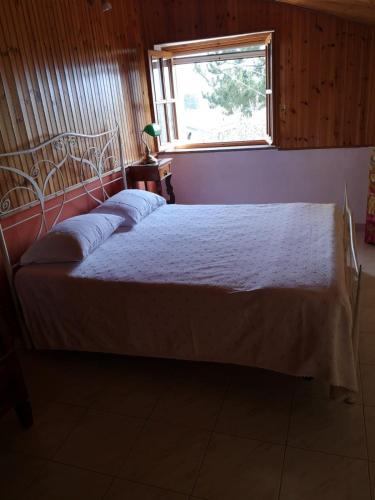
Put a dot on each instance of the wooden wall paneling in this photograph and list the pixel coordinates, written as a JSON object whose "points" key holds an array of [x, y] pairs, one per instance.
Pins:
{"points": [[139, 91], [43, 27], [299, 80], [124, 67], [340, 82], [121, 29], [65, 59], [108, 57], [326, 83], [67, 83], [352, 86], [13, 121], [54, 107], [5, 141], [324, 98], [304, 65], [370, 118], [365, 97], [103, 86], [281, 78], [87, 75], [68, 66]]}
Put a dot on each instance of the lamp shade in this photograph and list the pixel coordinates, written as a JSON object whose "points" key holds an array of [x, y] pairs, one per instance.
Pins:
{"points": [[152, 129]]}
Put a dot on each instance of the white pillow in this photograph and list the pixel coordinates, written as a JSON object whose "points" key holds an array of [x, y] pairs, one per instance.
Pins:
{"points": [[131, 204], [72, 239]]}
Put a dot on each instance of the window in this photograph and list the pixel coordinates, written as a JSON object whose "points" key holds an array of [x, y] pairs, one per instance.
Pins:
{"points": [[215, 92]]}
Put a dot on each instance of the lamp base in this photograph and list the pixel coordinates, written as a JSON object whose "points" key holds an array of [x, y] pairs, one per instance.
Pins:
{"points": [[149, 160]]}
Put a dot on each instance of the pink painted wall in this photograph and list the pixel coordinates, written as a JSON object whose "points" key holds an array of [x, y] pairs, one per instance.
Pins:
{"points": [[271, 176]]}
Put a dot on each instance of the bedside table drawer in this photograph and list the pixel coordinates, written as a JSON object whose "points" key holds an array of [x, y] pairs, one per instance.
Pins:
{"points": [[164, 170], [161, 172]]}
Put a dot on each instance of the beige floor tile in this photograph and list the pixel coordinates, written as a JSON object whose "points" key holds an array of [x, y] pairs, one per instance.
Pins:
{"points": [[370, 430], [316, 389], [368, 281], [124, 375], [138, 374], [368, 384], [372, 478], [367, 349], [53, 381], [367, 299], [328, 426], [123, 489], [239, 468], [167, 455], [132, 387], [78, 390], [367, 320], [312, 389], [367, 260], [17, 472], [133, 403], [61, 482], [206, 372], [52, 425], [311, 475], [44, 362], [255, 415], [100, 442], [192, 401], [264, 381]]}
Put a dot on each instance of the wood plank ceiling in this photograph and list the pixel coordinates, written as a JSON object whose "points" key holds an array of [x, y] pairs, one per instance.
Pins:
{"points": [[359, 10]]}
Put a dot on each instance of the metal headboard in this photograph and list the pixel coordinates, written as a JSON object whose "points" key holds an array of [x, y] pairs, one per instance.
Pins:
{"points": [[50, 171]]}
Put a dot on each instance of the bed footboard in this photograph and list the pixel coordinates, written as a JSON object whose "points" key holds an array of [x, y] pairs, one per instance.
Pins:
{"points": [[353, 281]]}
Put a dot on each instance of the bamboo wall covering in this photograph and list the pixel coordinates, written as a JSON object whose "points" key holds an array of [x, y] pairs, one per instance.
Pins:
{"points": [[324, 65], [67, 66]]}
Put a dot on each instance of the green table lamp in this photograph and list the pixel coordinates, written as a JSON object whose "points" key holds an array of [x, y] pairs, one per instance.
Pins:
{"points": [[153, 130]]}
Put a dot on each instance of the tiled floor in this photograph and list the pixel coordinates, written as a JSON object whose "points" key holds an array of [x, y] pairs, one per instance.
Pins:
{"points": [[114, 428]]}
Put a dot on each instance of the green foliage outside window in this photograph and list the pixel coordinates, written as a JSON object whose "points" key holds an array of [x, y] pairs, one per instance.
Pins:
{"points": [[235, 85]]}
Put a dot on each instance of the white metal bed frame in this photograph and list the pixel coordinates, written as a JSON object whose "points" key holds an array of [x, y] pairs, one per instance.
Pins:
{"points": [[94, 159], [87, 154]]}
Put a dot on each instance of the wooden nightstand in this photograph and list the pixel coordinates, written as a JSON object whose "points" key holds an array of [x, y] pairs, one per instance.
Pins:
{"points": [[13, 392], [154, 173]]}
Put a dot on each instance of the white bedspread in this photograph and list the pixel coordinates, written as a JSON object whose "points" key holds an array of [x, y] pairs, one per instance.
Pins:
{"points": [[257, 285]]}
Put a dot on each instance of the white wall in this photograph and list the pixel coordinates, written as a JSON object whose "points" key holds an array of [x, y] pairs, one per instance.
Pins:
{"points": [[267, 176]]}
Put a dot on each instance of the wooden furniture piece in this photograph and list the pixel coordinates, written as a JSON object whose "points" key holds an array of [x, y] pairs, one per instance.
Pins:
{"points": [[13, 392], [154, 173]]}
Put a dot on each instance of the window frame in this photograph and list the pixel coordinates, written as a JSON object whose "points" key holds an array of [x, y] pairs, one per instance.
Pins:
{"points": [[192, 48], [161, 56]]}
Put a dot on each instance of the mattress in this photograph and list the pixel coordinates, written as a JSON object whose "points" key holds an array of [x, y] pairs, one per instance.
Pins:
{"points": [[255, 285]]}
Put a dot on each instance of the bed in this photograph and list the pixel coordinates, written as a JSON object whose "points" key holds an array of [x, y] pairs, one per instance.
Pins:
{"points": [[272, 286]]}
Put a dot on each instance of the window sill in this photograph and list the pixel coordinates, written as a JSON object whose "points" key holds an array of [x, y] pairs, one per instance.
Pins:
{"points": [[214, 149]]}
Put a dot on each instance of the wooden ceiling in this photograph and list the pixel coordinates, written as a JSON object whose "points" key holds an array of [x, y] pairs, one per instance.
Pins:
{"points": [[359, 10]]}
